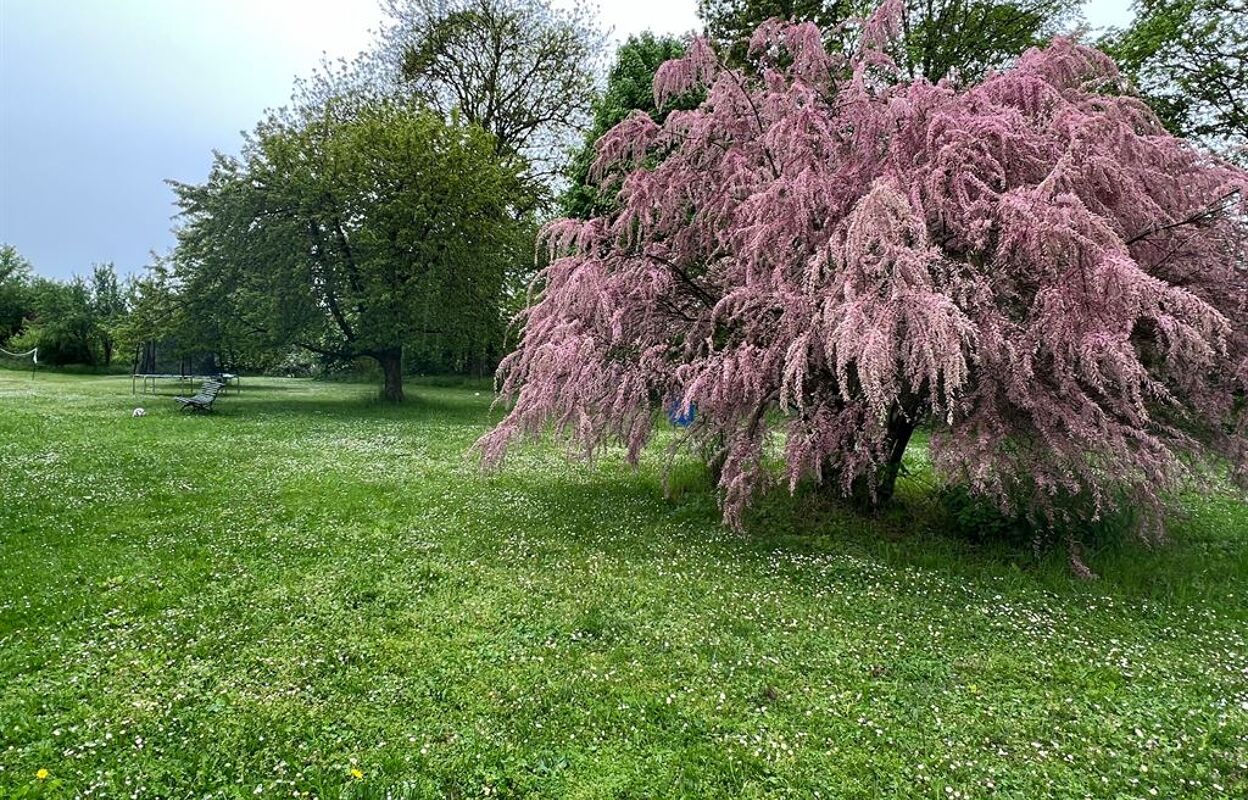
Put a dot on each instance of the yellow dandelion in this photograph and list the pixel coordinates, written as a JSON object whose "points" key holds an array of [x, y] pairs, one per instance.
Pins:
{"points": [[355, 773], [42, 774]]}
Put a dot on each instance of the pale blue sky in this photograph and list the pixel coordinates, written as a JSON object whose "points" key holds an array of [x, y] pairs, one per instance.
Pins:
{"points": [[101, 100]]}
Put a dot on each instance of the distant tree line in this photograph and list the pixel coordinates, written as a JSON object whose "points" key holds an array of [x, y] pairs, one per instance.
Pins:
{"points": [[70, 322]]}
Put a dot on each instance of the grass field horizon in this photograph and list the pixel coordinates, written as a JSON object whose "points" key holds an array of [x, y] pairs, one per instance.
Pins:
{"points": [[311, 593]]}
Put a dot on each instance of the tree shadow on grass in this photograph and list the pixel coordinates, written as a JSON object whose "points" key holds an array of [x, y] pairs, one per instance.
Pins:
{"points": [[354, 405], [1205, 558], [271, 385]]}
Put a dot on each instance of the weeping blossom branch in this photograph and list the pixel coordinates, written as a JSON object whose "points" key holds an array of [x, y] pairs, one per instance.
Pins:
{"points": [[825, 254]]}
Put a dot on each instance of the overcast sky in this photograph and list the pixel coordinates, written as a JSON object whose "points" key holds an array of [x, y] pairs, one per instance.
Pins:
{"points": [[101, 100]]}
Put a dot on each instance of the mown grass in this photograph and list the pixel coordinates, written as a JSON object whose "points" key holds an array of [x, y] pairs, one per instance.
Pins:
{"points": [[311, 593]]}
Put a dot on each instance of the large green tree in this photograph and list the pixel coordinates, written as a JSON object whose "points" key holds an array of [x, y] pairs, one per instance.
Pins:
{"points": [[1189, 60], [629, 87], [353, 231], [941, 38]]}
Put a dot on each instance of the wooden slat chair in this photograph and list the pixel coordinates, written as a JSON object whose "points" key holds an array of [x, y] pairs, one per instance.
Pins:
{"points": [[203, 399]]}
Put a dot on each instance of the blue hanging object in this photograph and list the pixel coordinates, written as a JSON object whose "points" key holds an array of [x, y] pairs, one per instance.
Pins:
{"points": [[678, 419]]}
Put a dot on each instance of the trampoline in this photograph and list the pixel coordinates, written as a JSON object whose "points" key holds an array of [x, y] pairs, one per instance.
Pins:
{"points": [[155, 361]]}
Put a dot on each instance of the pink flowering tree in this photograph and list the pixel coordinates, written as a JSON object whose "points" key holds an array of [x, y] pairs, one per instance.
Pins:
{"points": [[825, 256]]}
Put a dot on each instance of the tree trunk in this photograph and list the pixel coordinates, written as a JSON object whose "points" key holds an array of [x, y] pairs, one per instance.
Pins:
{"points": [[884, 482], [479, 364], [392, 369], [899, 431]]}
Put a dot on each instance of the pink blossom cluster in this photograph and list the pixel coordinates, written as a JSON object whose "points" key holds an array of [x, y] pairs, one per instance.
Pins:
{"points": [[826, 255]]}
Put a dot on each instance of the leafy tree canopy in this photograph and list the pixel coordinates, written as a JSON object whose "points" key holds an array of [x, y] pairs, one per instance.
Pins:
{"points": [[108, 305], [15, 278], [628, 88], [937, 38], [60, 322], [523, 70], [70, 322], [13, 266], [160, 312], [1189, 58]]}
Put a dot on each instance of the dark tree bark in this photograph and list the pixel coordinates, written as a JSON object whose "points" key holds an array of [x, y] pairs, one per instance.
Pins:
{"points": [[900, 429], [391, 361], [480, 365], [874, 492]]}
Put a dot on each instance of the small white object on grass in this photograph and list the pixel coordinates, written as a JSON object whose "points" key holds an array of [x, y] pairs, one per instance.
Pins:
{"points": [[138, 412]]}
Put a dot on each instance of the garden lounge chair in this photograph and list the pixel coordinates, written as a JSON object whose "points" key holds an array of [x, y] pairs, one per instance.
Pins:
{"points": [[203, 399]]}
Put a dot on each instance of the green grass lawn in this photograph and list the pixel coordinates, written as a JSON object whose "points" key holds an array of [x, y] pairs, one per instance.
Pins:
{"points": [[308, 592]]}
